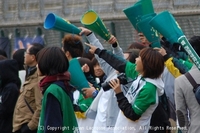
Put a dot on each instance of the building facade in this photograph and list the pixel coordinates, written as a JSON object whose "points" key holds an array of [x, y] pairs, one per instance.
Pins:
{"points": [[26, 16]]}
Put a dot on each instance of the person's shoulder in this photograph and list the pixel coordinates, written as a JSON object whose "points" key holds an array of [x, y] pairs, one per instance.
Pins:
{"points": [[12, 87], [179, 78], [149, 85], [194, 70], [149, 88], [54, 87], [180, 82]]}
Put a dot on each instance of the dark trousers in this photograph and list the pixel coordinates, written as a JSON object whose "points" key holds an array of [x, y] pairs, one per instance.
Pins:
{"points": [[25, 129], [19, 131]]}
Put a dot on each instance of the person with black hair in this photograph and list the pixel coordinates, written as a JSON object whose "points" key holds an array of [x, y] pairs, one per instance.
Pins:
{"points": [[3, 53], [98, 71], [136, 45], [88, 70], [131, 54], [9, 92], [57, 109], [28, 106], [19, 57]]}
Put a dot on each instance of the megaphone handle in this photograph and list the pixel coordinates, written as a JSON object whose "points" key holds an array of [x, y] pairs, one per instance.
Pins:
{"points": [[190, 51], [114, 45]]}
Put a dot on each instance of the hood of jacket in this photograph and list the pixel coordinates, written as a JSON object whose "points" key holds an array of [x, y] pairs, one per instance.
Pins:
{"points": [[158, 83], [9, 72]]}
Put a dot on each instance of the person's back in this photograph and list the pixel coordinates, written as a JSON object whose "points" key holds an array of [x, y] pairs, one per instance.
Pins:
{"points": [[57, 110], [28, 106], [9, 92], [187, 107]]}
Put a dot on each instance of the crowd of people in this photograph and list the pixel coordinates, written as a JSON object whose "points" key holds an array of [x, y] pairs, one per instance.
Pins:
{"points": [[139, 90]]}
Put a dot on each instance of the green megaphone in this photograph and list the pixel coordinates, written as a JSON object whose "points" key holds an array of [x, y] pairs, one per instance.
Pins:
{"points": [[190, 51], [76, 71], [91, 20], [147, 6], [55, 22], [166, 25], [149, 32], [134, 14], [136, 11]]}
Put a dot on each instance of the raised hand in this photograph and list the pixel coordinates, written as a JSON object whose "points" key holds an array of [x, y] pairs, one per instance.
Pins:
{"points": [[84, 31], [85, 68], [115, 84], [92, 48], [88, 91], [112, 40], [162, 51]]}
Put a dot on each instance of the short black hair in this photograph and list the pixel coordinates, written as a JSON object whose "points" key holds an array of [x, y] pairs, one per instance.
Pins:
{"points": [[87, 61], [94, 62], [136, 45], [35, 48], [3, 52], [195, 43], [133, 55], [52, 61], [19, 57]]}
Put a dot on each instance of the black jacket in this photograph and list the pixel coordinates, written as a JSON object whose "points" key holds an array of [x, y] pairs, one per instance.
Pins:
{"points": [[9, 92], [160, 117]]}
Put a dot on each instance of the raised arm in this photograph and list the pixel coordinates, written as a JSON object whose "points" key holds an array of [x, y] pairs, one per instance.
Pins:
{"points": [[175, 67], [118, 63], [93, 40]]}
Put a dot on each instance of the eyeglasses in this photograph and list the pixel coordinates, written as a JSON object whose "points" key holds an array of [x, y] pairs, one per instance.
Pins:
{"points": [[140, 35], [27, 53]]}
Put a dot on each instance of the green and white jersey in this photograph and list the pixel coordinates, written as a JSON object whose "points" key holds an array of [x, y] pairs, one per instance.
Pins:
{"points": [[143, 96]]}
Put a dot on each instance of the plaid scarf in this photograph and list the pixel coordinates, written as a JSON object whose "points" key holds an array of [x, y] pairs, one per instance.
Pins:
{"points": [[46, 81]]}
